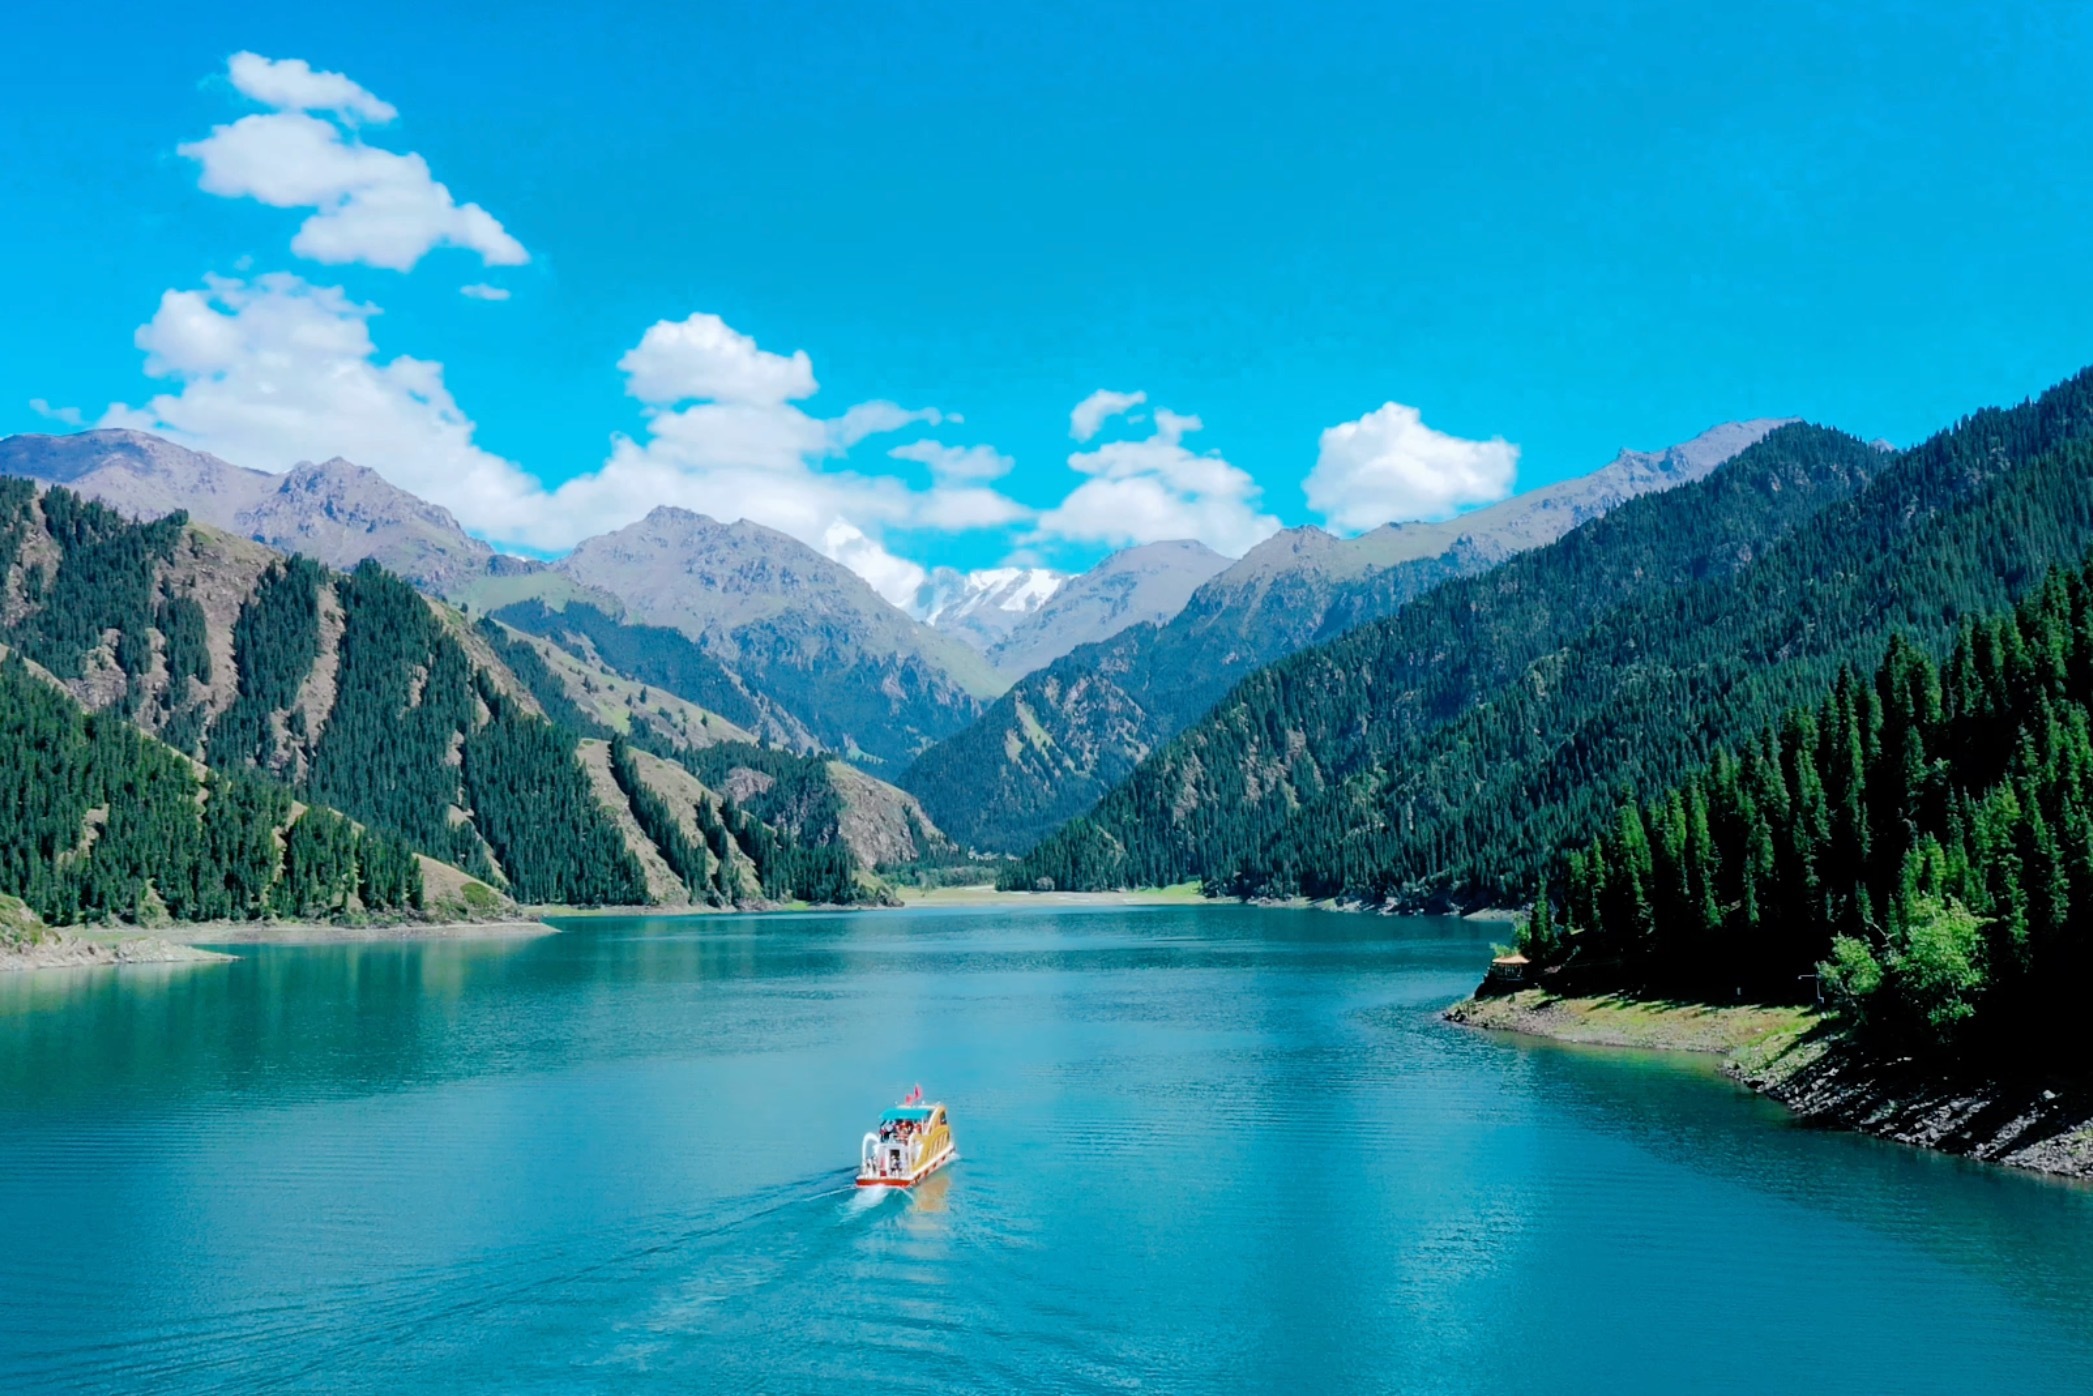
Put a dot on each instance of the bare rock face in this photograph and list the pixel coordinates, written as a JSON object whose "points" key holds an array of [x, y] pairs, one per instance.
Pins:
{"points": [[138, 474], [879, 823], [1148, 584], [335, 512], [340, 513]]}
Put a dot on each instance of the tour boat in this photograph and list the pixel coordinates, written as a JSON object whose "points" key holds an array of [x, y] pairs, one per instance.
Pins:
{"points": [[913, 1141]]}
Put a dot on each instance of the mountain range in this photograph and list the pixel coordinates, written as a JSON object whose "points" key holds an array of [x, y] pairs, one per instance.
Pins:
{"points": [[691, 631], [162, 672], [1444, 755], [1050, 747], [802, 651]]}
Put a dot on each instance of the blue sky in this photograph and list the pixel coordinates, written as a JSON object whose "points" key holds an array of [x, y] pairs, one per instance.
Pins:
{"points": [[1565, 229]]}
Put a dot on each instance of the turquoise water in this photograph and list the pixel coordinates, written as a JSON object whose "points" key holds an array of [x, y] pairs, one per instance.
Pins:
{"points": [[1202, 1149]]}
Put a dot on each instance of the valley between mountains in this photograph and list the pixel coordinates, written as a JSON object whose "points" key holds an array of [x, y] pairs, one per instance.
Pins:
{"points": [[697, 712], [1755, 711], [1419, 716]]}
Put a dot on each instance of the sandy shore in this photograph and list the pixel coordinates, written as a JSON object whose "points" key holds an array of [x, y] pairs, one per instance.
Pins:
{"points": [[910, 898], [61, 950], [87, 947], [327, 933], [1186, 894], [1800, 1059]]}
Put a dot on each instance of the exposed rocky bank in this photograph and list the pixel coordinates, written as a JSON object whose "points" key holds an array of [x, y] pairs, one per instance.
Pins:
{"points": [[1804, 1061]]}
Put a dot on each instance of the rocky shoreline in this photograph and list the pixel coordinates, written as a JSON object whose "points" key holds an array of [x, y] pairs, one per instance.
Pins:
{"points": [[349, 933], [58, 950], [26, 944], [1802, 1060]]}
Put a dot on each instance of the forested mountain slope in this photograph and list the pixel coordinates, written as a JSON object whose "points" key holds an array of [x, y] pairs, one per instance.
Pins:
{"points": [[1924, 839], [1059, 739], [578, 690], [1440, 755], [349, 691], [661, 657], [99, 821], [811, 798]]}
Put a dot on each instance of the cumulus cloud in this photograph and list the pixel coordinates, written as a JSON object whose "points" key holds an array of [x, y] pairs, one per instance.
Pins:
{"points": [[481, 291], [271, 371], [373, 206], [292, 84], [704, 357], [1388, 465], [895, 578], [960, 508], [956, 462], [71, 416], [725, 436], [1092, 412], [1155, 489]]}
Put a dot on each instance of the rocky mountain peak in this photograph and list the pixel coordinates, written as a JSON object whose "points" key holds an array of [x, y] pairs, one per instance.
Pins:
{"points": [[337, 512], [1690, 460]]}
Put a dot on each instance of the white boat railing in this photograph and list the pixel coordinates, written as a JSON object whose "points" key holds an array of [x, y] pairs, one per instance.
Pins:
{"points": [[903, 1153], [889, 1158]]}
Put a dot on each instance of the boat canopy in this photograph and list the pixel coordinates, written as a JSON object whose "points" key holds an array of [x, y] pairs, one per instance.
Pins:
{"points": [[914, 1114]]}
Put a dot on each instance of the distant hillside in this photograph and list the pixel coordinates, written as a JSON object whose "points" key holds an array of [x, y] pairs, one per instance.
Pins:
{"points": [[1060, 738], [806, 633], [1436, 757]]}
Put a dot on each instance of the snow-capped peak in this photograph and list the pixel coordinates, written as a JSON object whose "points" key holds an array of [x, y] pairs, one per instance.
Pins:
{"points": [[991, 599]]}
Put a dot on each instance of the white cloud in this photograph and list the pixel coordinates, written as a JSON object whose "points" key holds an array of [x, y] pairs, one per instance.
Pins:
{"points": [[481, 291], [274, 371], [959, 508], [956, 462], [71, 416], [1154, 489], [372, 206], [1388, 465], [704, 357], [1091, 413], [291, 84], [876, 418], [895, 578], [746, 450]]}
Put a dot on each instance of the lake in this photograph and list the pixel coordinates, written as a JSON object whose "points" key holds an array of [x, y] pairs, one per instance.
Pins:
{"points": [[1202, 1149]]}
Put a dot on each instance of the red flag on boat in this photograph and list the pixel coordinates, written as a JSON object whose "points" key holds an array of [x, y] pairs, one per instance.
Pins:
{"points": [[915, 1097]]}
